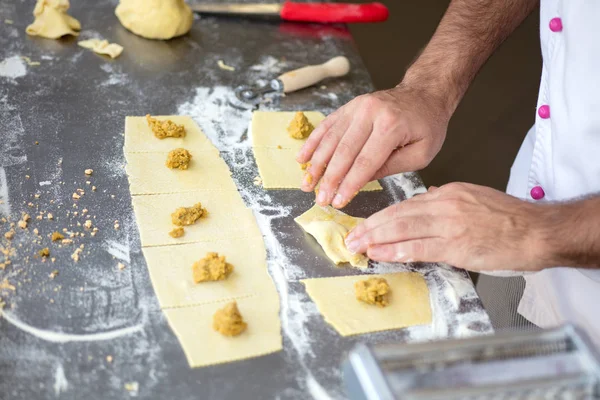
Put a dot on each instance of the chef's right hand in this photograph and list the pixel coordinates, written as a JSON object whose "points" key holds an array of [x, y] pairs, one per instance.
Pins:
{"points": [[373, 136]]}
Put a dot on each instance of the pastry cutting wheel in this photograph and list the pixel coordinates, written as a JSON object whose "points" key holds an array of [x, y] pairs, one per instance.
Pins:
{"points": [[294, 80], [558, 363]]}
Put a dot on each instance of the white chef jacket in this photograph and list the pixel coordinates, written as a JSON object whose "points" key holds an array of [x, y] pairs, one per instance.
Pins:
{"points": [[560, 157]]}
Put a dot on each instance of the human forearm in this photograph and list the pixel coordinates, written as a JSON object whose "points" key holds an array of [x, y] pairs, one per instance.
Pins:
{"points": [[569, 234], [470, 31]]}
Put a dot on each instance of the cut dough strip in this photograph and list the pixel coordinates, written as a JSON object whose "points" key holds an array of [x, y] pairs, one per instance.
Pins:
{"points": [[229, 228], [335, 298]]}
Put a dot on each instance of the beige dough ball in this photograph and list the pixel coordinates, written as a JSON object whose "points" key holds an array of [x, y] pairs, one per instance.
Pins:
{"points": [[155, 19]]}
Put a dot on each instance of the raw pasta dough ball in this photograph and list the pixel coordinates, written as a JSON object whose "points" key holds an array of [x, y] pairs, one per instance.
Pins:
{"points": [[155, 19]]}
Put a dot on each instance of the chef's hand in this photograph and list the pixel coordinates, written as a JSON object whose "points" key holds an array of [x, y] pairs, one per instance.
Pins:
{"points": [[374, 135], [468, 226]]}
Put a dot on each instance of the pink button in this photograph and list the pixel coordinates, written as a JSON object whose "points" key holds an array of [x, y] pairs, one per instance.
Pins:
{"points": [[544, 111], [556, 25], [537, 193]]}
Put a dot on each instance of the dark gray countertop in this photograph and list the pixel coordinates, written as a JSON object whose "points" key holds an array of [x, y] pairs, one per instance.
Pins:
{"points": [[56, 334]]}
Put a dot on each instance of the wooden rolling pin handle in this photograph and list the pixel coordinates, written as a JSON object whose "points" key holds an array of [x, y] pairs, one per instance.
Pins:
{"points": [[307, 76]]}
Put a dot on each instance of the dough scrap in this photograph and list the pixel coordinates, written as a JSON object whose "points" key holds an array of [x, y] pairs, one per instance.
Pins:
{"points": [[212, 267], [163, 129], [300, 128], [169, 268], [374, 291], [409, 303], [228, 321], [52, 21], [139, 138], [330, 227], [207, 172], [102, 47], [204, 346], [179, 159], [155, 19], [275, 151]]}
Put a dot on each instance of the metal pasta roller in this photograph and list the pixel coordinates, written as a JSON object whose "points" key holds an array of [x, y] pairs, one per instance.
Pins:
{"points": [[558, 363]]}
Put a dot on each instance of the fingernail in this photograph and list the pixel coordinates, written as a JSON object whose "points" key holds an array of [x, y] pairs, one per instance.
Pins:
{"points": [[338, 201], [322, 197], [349, 237], [353, 246]]}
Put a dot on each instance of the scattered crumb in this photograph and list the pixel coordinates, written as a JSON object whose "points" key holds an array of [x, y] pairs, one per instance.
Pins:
{"points": [[76, 196], [9, 235], [9, 21], [27, 177], [56, 236], [36, 231], [45, 252], [109, 359], [93, 188], [258, 181], [5, 284], [37, 196], [89, 171], [117, 225], [22, 224], [50, 216], [53, 274], [88, 223], [224, 66], [132, 387], [121, 266], [36, 142], [76, 253]]}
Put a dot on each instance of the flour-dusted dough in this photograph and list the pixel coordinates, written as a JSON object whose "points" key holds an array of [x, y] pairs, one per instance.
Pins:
{"points": [[269, 128], [52, 21], [275, 151], [335, 298], [139, 138], [204, 346], [330, 227], [171, 271], [102, 47], [229, 228], [227, 217], [155, 19], [149, 175]]}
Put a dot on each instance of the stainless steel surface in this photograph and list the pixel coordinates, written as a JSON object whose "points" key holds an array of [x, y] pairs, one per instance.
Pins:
{"points": [[95, 332], [559, 363], [240, 9]]}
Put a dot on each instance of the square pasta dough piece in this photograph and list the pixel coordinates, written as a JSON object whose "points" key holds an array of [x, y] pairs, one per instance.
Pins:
{"points": [[170, 268], [148, 173], [204, 346], [227, 217], [279, 170], [139, 138], [335, 298], [269, 128]]}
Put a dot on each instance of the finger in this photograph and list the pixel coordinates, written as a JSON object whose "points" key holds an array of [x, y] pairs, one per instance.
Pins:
{"points": [[407, 208], [425, 250], [432, 188], [345, 153], [406, 159], [399, 230], [311, 144], [321, 157], [373, 155]]}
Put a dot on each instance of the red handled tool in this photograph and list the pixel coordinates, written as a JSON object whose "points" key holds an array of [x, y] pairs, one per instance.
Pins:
{"points": [[302, 12]]}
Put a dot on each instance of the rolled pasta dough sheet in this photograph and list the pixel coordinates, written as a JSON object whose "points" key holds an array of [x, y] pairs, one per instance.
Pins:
{"points": [[275, 151], [170, 269], [204, 346], [335, 298], [148, 174]]}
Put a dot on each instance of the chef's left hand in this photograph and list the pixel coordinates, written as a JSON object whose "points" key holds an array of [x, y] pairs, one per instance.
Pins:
{"points": [[468, 226]]}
